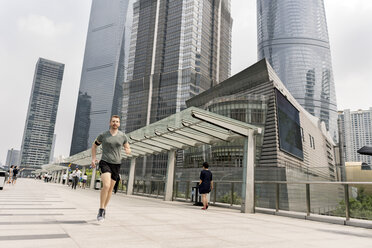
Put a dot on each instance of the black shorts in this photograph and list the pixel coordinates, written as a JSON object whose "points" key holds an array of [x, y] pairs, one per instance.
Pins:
{"points": [[114, 169]]}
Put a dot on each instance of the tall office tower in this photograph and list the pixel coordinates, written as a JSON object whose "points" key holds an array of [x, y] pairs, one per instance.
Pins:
{"points": [[356, 130], [102, 76], [42, 112], [178, 49], [12, 157], [293, 37]]}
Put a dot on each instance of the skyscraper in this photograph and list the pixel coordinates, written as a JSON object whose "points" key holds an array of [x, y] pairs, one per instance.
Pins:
{"points": [[178, 49], [42, 112], [102, 76], [12, 157], [293, 37], [356, 130]]}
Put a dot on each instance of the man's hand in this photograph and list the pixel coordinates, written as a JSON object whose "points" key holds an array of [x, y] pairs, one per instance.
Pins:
{"points": [[127, 148], [94, 162]]}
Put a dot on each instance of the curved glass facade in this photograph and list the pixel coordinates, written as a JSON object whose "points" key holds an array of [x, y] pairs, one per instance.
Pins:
{"points": [[293, 37]]}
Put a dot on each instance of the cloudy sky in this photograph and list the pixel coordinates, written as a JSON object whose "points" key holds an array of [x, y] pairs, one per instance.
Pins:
{"points": [[56, 30]]}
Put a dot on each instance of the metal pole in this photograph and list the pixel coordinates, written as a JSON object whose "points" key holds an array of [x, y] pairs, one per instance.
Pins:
{"points": [[215, 192], [158, 188], [232, 194], [187, 190], [277, 197], [347, 205], [308, 206], [176, 194]]}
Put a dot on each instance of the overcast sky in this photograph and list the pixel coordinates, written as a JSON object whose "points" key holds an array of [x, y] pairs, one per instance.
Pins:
{"points": [[57, 29]]}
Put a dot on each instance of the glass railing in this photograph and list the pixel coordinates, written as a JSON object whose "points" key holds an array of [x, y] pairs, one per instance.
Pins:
{"points": [[345, 192], [342, 199], [154, 188], [224, 192]]}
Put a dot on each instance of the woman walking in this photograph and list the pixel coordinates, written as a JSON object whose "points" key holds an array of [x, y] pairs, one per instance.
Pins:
{"points": [[205, 184]]}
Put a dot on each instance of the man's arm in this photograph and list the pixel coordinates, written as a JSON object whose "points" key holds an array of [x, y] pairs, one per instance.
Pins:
{"points": [[127, 148], [94, 152]]}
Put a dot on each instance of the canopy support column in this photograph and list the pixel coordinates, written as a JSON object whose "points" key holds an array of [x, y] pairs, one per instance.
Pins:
{"points": [[131, 176], [93, 179], [60, 176], [248, 173], [57, 177], [170, 176]]}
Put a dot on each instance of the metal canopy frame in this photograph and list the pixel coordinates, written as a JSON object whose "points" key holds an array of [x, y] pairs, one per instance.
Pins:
{"points": [[188, 128]]}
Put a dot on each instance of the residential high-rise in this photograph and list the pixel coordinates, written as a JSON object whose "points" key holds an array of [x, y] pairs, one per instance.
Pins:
{"points": [[12, 157], [102, 76], [293, 37], [178, 49], [356, 130], [42, 112]]}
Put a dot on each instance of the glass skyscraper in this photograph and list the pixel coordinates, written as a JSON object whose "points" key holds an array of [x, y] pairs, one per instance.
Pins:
{"points": [[41, 115], [293, 37], [178, 50], [102, 76]]}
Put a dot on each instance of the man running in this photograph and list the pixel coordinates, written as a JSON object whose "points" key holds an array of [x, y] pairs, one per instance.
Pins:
{"points": [[111, 141]]}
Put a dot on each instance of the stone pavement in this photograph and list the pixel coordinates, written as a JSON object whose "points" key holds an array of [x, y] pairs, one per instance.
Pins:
{"points": [[38, 214]]}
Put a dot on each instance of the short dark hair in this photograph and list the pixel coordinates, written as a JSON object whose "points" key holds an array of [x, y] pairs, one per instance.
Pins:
{"points": [[205, 165], [114, 116]]}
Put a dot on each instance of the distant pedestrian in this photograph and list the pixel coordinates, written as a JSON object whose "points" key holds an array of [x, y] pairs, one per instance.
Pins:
{"points": [[64, 177], [112, 142], [69, 179], [16, 170], [205, 184], [10, 174], [75, 177], [84, 178]]}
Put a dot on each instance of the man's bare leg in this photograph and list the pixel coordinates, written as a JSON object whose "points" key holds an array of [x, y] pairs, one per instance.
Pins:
{"points": [[109, 193], [106, 185]]}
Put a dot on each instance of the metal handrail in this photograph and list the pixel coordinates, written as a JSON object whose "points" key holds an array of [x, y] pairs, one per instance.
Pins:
{"points": [[313, 182]]}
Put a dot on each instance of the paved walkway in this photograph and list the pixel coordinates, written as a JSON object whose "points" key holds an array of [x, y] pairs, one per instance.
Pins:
{"points": [[37, 214]]}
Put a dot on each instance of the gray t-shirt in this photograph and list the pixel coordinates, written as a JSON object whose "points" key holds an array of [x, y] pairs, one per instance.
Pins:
{"points": [[111, 146]]}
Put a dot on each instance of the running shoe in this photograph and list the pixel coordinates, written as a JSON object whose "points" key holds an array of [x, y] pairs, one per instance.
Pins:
{"points": [[100, 215]]}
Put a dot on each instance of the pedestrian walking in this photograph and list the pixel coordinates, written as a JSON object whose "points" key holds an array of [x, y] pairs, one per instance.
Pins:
{"points": [[16, 170], [112, 142], [205, 184], [64, 177], [75, 177], [84, 178], [10, 174], [69, 179]]}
